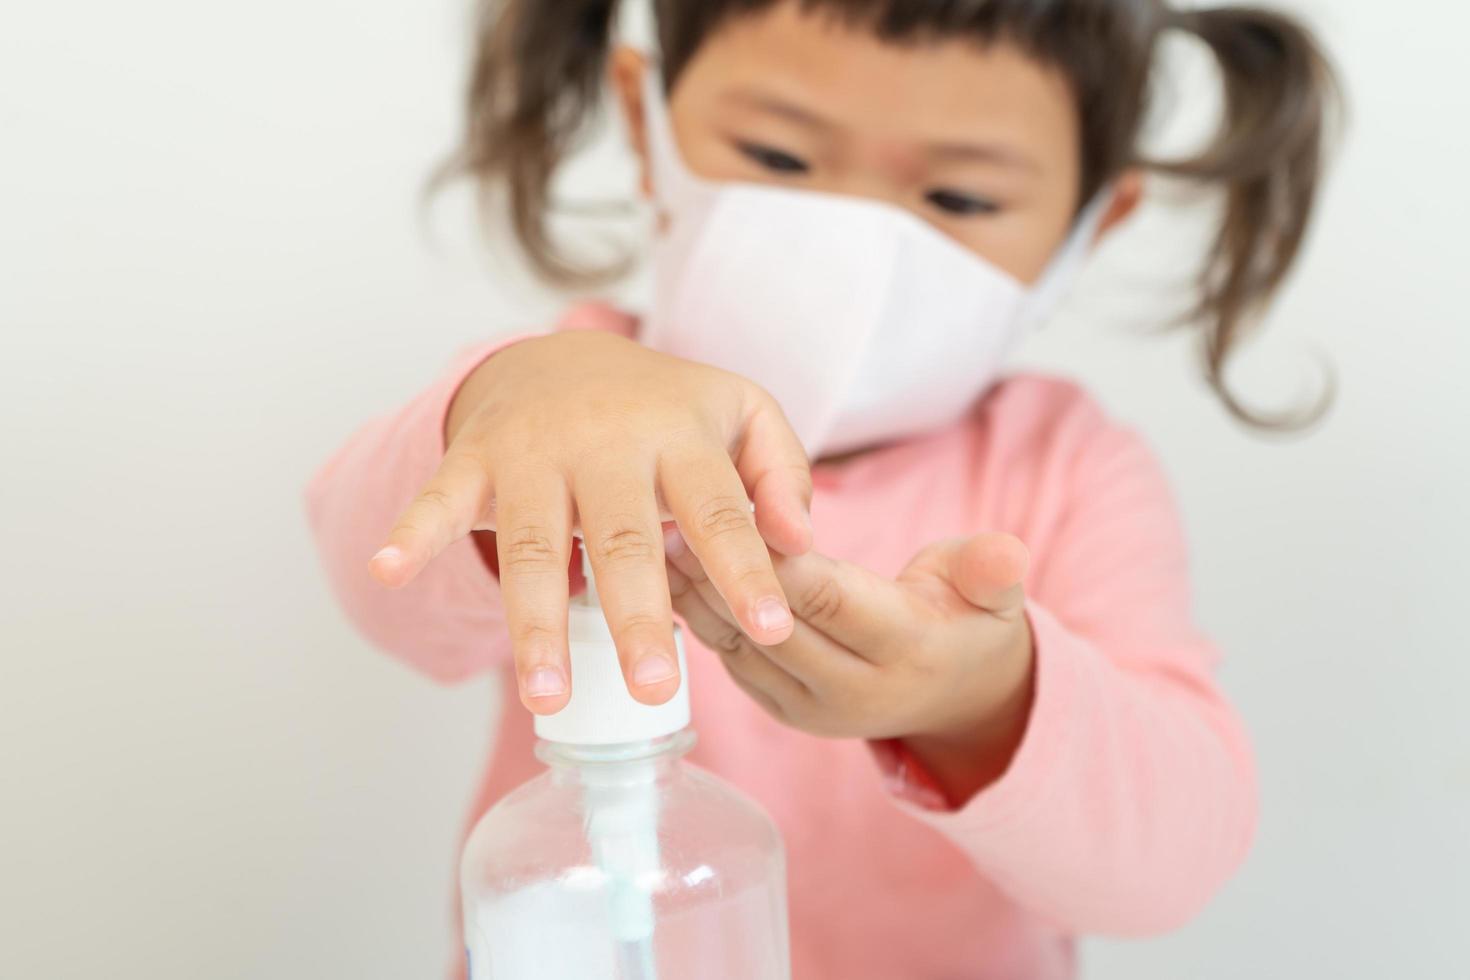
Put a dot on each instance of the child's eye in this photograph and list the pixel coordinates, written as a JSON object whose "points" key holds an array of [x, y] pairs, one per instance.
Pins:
{"points": [[955, 202], [774, 160]]}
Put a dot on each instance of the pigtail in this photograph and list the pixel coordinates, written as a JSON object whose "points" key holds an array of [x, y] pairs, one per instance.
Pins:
{"points": [[1269, 157], [536, 81]]}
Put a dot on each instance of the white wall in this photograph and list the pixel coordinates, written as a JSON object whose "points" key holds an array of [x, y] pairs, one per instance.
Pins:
{"points": [[212, 267]]}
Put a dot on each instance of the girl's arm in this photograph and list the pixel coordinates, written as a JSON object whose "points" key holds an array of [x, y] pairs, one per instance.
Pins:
{"points": [[1068, 736], [1132, 794]]}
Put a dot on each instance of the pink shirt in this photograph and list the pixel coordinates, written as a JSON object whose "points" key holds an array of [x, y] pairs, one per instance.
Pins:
{"points": [[1131, 799]]}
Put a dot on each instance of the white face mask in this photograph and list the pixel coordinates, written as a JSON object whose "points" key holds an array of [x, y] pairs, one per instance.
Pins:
{"points": [[864, 322]]}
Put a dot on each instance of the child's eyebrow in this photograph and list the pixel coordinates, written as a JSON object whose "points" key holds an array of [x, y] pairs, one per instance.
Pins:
{"points": [[949, 151], [997, 153], [778, 106]]}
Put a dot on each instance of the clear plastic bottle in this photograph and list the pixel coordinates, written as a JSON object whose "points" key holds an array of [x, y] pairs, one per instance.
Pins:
{"points": [[622, 861]]}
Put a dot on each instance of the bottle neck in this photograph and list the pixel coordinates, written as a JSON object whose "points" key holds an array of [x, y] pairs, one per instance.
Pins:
{"points": [[659, 752]]}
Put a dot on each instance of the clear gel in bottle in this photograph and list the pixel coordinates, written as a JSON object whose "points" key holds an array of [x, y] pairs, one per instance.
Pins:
{"points": [[622, 861]]}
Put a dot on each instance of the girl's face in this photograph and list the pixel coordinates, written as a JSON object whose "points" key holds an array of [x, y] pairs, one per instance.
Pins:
{"points": [[980, 141]]}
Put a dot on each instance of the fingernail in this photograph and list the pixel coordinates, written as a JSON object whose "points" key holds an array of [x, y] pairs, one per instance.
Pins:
{"points": [[390, 553], [653, 669], [771, 615], [545, 682], [674, 545]]}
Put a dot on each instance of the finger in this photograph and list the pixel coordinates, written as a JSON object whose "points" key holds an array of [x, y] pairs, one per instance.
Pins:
{"points": [[708, 501], [693, 584], [750, 666], [678, 582], [533, 542], [623, 538], [446, 510], [814, 659], [778, 476], [676, 550], [988, 570], [858, 609]]}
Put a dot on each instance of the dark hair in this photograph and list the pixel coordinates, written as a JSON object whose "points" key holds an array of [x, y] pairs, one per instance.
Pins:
{"points": [[540, 64]]}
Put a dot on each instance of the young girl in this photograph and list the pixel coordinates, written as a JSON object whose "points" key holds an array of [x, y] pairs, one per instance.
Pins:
{"points": [[954, 657]]}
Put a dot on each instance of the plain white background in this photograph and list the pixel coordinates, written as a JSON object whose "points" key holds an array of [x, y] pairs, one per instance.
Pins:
{"points": [[213, 266]]}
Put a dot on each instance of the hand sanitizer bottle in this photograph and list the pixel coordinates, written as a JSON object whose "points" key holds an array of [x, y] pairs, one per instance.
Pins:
{"points": [[622, 861]]}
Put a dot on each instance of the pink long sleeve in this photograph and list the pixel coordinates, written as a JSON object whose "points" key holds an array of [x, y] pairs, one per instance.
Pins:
{"points": [[447, 622], [1132, 796]]}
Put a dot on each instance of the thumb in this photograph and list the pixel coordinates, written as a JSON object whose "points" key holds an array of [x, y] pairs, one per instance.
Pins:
{"points": [[987, 570], [777, 475]]}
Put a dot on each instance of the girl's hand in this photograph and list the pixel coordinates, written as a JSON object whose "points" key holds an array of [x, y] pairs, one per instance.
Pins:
{"points": [[941, 657], [587, 429]]}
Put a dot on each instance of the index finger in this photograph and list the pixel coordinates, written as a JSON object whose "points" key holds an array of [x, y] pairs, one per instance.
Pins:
{"points": [[774, 467], [708, 500]]}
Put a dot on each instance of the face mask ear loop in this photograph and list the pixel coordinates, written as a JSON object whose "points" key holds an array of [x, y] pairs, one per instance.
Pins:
{"points": [[672, 178], [1066, 266]]}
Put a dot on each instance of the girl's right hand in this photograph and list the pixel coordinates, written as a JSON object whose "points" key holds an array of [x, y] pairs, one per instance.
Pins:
{"points": [[587, 429]]}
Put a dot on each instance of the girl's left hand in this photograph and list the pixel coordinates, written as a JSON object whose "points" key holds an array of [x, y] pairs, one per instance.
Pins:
{"points": [[941, 655]]}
